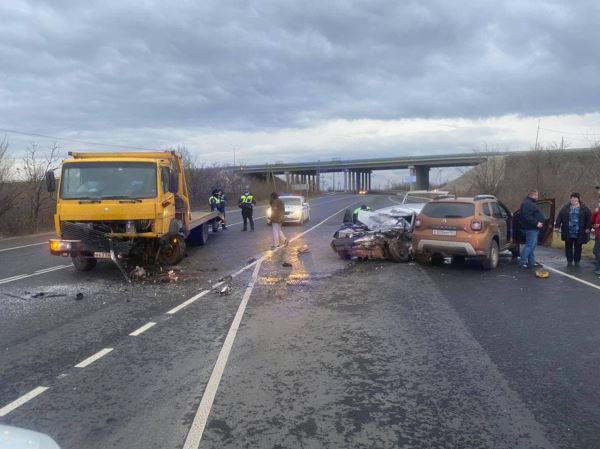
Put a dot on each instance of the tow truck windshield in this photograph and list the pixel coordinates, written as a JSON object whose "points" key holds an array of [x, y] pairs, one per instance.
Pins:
{"points": [[108, 180]]}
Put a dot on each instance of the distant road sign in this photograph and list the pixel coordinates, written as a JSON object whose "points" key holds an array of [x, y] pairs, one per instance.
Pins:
{"points": [[409, 179]]}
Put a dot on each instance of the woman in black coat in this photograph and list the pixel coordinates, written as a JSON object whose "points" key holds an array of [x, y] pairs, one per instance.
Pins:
{"points": [[574, 222]]}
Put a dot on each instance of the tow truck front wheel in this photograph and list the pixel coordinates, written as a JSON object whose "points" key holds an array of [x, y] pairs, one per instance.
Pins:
{"points": [[83, 262], [173, 251]]}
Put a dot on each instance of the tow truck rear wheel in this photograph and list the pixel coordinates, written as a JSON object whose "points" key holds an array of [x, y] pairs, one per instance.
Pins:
{"points": [[83, 262]]}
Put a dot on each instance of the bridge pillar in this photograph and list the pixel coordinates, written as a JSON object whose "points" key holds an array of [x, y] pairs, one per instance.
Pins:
{"points": [[422, 174], [345, 172], [318, 181]]}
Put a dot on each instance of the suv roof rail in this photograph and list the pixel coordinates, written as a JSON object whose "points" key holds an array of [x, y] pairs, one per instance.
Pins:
{"points": [[484, 197]]}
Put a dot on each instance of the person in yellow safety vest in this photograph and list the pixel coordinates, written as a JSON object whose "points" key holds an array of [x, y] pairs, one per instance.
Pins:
{"points": [[217, 202], [247, 203], [357, 210]]}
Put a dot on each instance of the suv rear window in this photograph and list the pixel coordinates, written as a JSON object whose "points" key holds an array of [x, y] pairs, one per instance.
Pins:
{"points": [[448, 210]]}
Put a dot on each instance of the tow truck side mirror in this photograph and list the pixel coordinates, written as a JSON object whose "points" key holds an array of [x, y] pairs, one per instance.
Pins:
{"points": [[50, 181], [174, 182]]}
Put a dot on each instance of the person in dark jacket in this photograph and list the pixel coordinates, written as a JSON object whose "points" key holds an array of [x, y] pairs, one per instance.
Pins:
{"points": [[574, 222], [277, 214], [596, 228], [531, 221]]}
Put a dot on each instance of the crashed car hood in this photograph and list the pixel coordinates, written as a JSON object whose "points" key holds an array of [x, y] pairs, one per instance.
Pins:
{"points": [[403, 210], [377, 221]]}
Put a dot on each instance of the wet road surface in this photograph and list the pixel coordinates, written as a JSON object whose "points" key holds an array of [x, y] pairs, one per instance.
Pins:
{"points": [[328, 353]]}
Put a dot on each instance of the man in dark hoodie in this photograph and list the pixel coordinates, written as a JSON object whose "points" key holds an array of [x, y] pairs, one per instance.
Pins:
{"points": [[531, 221], [574, 222]]}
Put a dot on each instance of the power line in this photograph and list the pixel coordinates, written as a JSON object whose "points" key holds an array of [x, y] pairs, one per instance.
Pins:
{"points": [[85, 142]]}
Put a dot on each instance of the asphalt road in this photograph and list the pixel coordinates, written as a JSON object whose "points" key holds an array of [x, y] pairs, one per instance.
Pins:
{"points": [[325, 353]]}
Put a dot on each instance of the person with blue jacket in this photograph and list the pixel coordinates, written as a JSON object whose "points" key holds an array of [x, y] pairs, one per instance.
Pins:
{"points": [[531, 221]]}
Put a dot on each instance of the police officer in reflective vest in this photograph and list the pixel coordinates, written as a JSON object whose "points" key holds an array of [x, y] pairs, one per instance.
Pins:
{"points": [[217, 202], [357, 210], [247, 203]]}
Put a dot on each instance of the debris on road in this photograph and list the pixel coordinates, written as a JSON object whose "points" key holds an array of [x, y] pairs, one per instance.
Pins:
{"points": [[138, 273], [542, 274], [286, 265], [79, 296], [303, 249], [226, 290]]}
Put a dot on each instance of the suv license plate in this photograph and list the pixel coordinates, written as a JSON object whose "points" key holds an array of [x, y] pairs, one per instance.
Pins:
{"points": [[101, 255], [443, 232]]}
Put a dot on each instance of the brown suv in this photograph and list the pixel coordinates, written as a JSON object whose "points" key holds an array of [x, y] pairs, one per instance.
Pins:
{"points": [[479, 227]]}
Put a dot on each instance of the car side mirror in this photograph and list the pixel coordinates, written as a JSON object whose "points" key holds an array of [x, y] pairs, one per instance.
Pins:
{"points": [[174, 182], [50, 181]]}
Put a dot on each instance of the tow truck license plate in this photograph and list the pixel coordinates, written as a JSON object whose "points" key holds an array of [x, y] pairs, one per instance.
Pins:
{"points": [[101, 255], [443, 232]]}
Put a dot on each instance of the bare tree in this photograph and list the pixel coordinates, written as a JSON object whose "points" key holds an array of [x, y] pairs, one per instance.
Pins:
{"points": [[8, 194], [35, 166], [488, 176]]}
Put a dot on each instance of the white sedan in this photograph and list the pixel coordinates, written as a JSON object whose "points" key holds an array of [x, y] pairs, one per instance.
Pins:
{"points": [[297, 209]]}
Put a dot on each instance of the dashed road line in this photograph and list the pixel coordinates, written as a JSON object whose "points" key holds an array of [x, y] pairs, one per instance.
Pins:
{"points": [[570, 276], [37, 273], [22, 400], [93, 358], [22, 246], [142, 329]]}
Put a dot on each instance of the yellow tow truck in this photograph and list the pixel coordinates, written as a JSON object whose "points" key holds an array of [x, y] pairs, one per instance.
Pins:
{"points": [[124, 206]]}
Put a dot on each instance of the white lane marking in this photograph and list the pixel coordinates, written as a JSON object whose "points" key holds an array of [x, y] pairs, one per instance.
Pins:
{"points": [[394, 200], [319, 203], [47, 270], [241, 222], [144, 328], [187, 303], [37, 273], [93, 358], [22, 400], [251, 264], [197, 429], [194, 436], [575, 278], [22, 246]]}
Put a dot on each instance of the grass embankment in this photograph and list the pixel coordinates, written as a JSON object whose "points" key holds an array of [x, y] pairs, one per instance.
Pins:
{"points": [[586, 249]]}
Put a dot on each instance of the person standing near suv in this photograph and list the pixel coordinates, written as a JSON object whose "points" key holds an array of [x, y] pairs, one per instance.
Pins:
{"points": [[574, 222], [277, 214], [531, 221], [596, 227]]}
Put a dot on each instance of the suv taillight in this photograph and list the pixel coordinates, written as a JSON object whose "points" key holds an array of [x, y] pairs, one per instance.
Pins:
{"points": [[476, 225], [417, 222]]}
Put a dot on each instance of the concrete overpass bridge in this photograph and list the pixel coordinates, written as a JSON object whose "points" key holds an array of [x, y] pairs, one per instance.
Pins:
{"points": [[357, 172]]}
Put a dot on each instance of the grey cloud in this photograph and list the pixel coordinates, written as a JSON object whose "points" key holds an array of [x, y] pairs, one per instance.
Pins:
{"points": [[265, 65]]}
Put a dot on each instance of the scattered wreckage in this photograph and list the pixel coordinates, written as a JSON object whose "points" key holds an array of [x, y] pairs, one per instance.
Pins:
{"points": [[382, 234]]}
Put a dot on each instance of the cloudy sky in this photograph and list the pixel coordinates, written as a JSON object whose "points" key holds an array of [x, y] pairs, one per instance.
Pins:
{"points": [[279, 80]]}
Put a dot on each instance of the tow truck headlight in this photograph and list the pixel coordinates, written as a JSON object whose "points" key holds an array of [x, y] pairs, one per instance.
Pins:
{"points": [[60, 245]]}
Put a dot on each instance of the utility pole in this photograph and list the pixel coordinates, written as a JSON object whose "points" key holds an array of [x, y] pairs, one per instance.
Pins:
{"points": [[537, 134]]}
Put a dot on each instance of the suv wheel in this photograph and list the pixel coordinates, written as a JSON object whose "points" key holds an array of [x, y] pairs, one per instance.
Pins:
{"points": [[491, 260]]}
